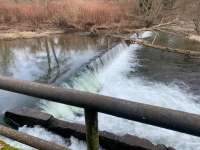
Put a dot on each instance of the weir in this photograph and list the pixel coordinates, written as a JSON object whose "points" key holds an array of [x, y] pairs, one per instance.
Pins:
{"points": [[103, 57], [96, 62], [93, 103]]}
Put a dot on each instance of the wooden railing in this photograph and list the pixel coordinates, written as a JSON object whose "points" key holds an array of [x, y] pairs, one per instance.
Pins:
{"points": [[94, 103]]}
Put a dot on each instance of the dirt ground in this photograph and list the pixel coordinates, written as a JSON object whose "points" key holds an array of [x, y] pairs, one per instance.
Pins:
{"points": [[10, 32], [16, 31]]}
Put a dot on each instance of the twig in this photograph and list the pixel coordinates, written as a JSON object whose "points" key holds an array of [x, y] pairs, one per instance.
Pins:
{"points": [[157, 34]]}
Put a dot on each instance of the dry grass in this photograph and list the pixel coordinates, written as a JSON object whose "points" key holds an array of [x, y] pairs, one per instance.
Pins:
{"points": [[63, 12], [86, 13]]}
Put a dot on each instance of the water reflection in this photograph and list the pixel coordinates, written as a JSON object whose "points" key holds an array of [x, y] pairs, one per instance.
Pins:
{"points": [[169, 67], [176, 42], [44, 60]]}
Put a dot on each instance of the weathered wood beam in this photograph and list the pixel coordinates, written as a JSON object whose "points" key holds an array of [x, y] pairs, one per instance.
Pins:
{"points": [[29, 140]]}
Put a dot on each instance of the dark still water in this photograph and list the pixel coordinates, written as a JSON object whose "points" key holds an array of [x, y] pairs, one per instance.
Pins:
{"points": [[157, 65]]}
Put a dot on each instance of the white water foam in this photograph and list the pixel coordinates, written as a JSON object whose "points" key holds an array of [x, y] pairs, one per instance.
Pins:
{"points": [[113, 80], [139, 90]]}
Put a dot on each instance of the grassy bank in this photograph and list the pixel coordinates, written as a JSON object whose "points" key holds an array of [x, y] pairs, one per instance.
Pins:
{"points": [[64, 13], [35, 18], [4, 146]]}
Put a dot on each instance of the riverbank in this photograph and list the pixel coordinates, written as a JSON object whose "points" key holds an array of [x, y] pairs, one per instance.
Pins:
{"points": [[28, 34], [23, 19], [5, 146], [24, 31]]}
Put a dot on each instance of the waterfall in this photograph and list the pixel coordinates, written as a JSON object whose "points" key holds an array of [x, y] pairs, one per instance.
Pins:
{"points": [[108, 75], [112, 78]]}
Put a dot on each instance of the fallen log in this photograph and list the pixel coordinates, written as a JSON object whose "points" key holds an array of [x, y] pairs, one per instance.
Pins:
{"points": [[128, 41], [109, 141], [164, 48]]}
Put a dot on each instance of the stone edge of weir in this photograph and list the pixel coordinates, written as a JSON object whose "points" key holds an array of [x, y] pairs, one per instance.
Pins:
{"points": [[18, 117]]}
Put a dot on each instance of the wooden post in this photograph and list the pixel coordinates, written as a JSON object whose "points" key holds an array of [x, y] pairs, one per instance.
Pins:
{"points": [[92, 135]]}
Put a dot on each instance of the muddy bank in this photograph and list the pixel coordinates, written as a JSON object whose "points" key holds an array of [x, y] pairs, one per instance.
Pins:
{"points": [[11, 33], [25, 31], [18, 33], [28, 34]]}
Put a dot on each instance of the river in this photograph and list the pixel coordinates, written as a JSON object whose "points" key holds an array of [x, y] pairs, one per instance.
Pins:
{"points": [[130, 72]]}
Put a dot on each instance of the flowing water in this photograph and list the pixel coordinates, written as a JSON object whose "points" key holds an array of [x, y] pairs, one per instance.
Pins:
{"points": [[134, 73], [43, 60]]}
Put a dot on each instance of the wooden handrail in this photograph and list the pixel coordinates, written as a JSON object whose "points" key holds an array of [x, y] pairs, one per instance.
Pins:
{"points": [[153, 115]]}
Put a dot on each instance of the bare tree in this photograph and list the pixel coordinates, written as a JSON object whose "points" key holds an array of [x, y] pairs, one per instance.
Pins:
{"points": [[151, 11], [196, 18]]}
